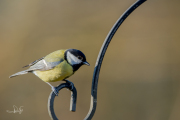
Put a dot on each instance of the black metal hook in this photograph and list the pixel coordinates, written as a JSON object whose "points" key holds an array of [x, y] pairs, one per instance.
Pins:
{"points": [[96, 70], [52, 97], [101, 56]]}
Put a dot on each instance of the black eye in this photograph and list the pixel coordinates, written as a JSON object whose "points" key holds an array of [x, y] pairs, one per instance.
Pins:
{"points": [[79, 57]]}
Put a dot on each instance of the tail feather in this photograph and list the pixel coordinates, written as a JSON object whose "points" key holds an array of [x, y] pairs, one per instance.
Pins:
{"points": [[19, 73]]}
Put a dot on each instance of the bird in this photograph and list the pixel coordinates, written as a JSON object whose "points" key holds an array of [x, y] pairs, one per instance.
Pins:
{"points": [[56, 66]]}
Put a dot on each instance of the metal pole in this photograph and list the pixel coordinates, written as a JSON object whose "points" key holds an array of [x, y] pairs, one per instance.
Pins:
{"points": [[101, 56]]}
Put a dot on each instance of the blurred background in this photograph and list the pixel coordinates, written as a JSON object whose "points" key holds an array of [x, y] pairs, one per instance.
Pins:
{"points": [[139, 78]]}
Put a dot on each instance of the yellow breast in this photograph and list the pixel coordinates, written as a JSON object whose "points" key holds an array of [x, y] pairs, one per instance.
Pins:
{"points": [[60, 72]]}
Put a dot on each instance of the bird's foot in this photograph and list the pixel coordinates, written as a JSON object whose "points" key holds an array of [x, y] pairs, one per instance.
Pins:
{"points": [[70, 83], [55, 90]]}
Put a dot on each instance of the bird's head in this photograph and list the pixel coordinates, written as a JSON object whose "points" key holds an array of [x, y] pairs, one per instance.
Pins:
{"points": [[75, 58]]}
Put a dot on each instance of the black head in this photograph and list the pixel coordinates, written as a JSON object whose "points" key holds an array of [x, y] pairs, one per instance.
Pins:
{"points": [[75, 58]]}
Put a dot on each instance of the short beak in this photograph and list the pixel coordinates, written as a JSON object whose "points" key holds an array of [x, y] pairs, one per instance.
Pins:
{"points": [[86, 63]]}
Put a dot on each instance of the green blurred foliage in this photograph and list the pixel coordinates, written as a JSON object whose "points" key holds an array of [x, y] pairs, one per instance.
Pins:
{"points": [[139, 79]]}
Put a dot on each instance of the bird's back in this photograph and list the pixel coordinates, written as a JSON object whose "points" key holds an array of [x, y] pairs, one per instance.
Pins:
{"points": [[60, 72]]}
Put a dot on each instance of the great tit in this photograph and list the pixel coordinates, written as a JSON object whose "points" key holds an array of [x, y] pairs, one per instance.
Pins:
{"points": [[56, 66]]}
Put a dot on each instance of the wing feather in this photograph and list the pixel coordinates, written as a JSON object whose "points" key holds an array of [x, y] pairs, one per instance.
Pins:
{"points": [[46, 63], [42, 65], [33, 62]]}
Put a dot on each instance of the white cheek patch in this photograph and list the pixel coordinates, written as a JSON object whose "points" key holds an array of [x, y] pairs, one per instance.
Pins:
{"points": [[72, 59]]}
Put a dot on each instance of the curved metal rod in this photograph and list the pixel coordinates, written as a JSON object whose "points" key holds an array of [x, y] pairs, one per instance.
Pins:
{"points": [[52, 97], [101, 56]]}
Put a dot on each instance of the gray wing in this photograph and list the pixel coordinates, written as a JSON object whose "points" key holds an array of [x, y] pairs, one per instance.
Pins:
{"points": [[39, 64], [34, 62], [43, 65]]}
